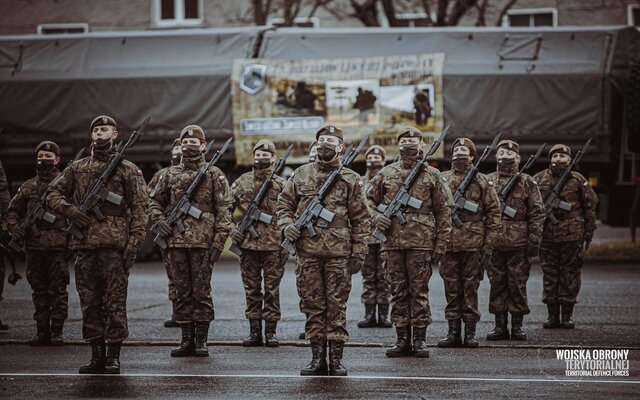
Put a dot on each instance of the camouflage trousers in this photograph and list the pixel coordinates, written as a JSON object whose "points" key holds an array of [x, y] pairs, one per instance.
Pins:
{"points": [[508, 273], [192, 279], [254, 266], [561, 265], [324, 285], [409, 272], [102, 282], [462, 273], [167, 268], [48, 275], [2, 273], [375, 282]]}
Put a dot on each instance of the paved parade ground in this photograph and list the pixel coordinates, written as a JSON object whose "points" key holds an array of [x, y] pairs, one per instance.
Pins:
{"points": [[607, 317]]}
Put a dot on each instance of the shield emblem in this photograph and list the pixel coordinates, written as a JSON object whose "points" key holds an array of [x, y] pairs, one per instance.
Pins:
{"points": [[253, 78]]}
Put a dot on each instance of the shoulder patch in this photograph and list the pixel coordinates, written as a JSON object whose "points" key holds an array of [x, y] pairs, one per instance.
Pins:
{"points": [[360, 183], [221, 178]]}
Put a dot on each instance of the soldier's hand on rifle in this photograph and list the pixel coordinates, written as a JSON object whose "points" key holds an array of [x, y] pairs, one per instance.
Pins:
{"points": [[436, 258], [163, 228], [236, 237], [533, 250], [355, 263], [79, 218], [129, 257], [586, 241], [381, 222], [214, 255], [291, 232], [18, 233], [485, 256]]}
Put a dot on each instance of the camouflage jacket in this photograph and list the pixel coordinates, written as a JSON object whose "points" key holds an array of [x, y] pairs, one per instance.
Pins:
{"points": [[244, 190], [347, 233], [526, 227], [481, 228], [427, 228], [154, 179], [124, 225], [578, 223], [5, 197], [213, 198], [371, 241], [52, 236]]}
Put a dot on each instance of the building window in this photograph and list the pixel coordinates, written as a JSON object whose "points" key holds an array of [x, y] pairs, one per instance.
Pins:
{"points": [[300, 22], [56, 29], [177, 13], [633, 15], [530, 17]]}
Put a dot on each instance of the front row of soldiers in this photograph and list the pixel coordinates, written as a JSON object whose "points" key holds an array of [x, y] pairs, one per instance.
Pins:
{"points": [[457, 220]]}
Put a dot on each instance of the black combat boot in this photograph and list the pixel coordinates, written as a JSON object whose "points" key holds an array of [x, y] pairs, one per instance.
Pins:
{"points": [[420, 349], [318, 364], [516, 328], [202, 335], [112, 365], [454, 336], [98, 358], [567, 316], [470, 335], [383, 316], [43, 334], [171, 322], [56, 332], [501, 331], [369, 320], [553, 321], [336, 368], [270, 338], [402, 348], [255, 334], [187, 346]]}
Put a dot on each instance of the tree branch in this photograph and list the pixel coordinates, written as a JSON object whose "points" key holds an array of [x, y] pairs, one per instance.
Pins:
{"points": [[504, 10]]}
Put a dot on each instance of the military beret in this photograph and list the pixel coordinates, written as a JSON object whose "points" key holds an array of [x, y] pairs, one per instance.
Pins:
{"points": [[192, 131], [408, 131], [560, 148], [102, 120], [331, 130], [465, 142], [175, 143], [48, 146], [509, 145], [265, 145], [378, 150]]}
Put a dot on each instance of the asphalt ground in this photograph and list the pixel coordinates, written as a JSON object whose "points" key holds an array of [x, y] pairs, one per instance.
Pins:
{"points": [[607, 317]]}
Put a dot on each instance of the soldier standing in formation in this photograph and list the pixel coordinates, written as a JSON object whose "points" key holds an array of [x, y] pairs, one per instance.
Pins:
{"points": [[563, 243], [262, 255], [470, 247], [193, 252], [176, 154], [108, 248], [5, 198], [413, 248], [325, 263], [518, 242], [47, 269], [375, 282]]}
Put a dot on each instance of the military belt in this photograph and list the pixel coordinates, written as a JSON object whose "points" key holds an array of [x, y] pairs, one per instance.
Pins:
{"points": [[519, 217], [477, 217], [113, 211]]}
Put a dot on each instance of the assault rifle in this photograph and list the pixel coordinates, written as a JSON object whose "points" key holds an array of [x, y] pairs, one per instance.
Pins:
{"points": [[509, 212]]}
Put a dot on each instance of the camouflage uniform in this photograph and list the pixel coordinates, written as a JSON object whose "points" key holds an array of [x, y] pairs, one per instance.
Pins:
{"points": [[5, 198], [101, 276]]}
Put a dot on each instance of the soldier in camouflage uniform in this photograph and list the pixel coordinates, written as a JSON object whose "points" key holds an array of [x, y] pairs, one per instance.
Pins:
{"points": [[193, 252], [562, 244], [5, 198], [108, 249], [47, 270], [470, 247], [325, 263], [176, 154], [263, 255], [375, 282], [519, 241], [413, 248]]}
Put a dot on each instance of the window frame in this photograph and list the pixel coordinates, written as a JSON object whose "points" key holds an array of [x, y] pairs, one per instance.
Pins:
{"points": [[531, 12], [65, 25], [630, 8], [179, 21], [277, 20]]}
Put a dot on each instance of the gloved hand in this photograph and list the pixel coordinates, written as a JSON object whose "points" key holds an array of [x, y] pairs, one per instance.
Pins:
{"points": [[533, 250], [18, 233], [436, 258], [236, 236], [79, 218], [381, 222], [485, 256], [355, 263], [129, 256], [292, 233], [214, 255], [163, 228], [586, 241]]}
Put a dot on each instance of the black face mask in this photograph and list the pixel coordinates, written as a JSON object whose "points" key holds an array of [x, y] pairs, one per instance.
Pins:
{"points": [[409, 150], [558, 168], [191, 150], [375, 164], [261, 163], [327, 151], [175, 159], [507, 164], [102, 144], [44, 165], [460, 163]]}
